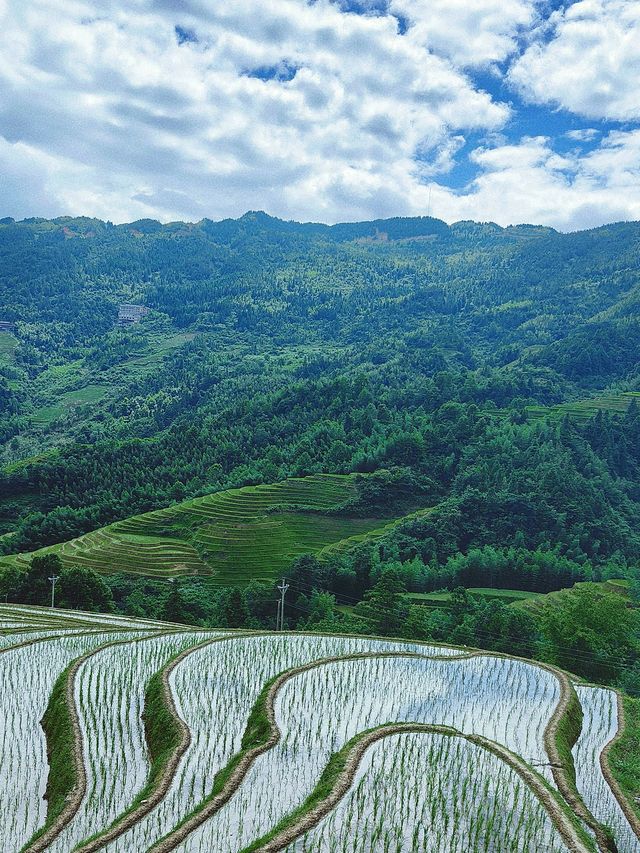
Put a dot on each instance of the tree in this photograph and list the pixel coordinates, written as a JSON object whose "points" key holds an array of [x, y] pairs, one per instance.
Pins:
{"points": [[233, 609], [383, 604], [35, 587], [307, 573], [589, 631], [418, 624], [175, 608], [84, 589], [10, 580], [261, 604], [460, 604], [321, 609]]}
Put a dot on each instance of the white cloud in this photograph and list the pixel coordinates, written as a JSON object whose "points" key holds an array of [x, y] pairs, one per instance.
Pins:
{"points": [[104, 113], [586, 134], [470, 32], [165, 129], [529, 182], [590, 65]]}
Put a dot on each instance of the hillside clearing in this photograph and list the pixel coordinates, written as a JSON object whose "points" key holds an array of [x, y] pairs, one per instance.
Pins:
{"points": [[231, 537]]}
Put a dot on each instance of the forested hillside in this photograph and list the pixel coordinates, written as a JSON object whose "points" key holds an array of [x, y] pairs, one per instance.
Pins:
{"points": [[276, 349], [487, 373]]}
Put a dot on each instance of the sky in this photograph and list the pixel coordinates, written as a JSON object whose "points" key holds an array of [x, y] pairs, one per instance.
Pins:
{"points": [[508, 111]]}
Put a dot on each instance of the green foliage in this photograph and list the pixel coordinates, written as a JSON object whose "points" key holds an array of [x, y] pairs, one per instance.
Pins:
{"points": [[161, 732], [348, 355], [589, 630], [487, 374], [175, 608], [568, 732], [384, 605], [231, 536], [233, 609], [624, 756], [35, 586], [81, 588], [58, 729]]}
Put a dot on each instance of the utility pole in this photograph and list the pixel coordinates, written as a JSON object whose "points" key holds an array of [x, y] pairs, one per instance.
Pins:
{"points": [[53, 580], [283, 587]]}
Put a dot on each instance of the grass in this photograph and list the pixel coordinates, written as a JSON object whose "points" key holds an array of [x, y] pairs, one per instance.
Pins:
{"points": [[62, 388], [581, 410], [323, 789], [441, 599], [8, 346], [567, 734], [552, 599], [70, 400], [162, 733], [584, 409], [624, 756], [58, 731], [231, 537], [138, 366]]}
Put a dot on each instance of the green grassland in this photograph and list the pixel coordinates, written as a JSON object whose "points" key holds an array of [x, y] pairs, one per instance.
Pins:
{"points": [[554, 599], [231, 536], [157, 347], [441, 599], [66, 387], [506, 596], [70, 400]]}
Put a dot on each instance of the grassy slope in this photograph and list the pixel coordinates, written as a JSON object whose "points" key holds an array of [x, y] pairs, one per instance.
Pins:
{"points": [[624, 757], [8, 343], [441, 599], [581, 410], [75, 384], [231, 536]]}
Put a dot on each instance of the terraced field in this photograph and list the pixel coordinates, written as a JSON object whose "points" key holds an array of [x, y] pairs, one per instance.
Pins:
{"points": [[231, 536], [584, 409], [70, 400], [8, 344], [154, 737], [443, 599]]}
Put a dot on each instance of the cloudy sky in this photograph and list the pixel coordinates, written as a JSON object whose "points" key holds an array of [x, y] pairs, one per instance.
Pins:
{"points": [[325, 110]]}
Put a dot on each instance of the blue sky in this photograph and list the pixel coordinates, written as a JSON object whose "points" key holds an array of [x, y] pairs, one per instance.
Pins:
{"points": [[326, 110]]}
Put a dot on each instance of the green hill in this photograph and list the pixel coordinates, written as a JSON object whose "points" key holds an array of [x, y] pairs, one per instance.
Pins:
{"points": [[231, 536]]}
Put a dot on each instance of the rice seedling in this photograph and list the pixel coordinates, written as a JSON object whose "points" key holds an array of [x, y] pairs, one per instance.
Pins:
{"points": [[429, 791], [320, 710], [28, 615], [27, 675], [214, 689], [599, 725], [22, 636], [109, 694], [433, 793]]}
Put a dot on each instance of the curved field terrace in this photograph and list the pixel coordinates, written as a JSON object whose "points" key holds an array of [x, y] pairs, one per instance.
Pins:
{"points": [[133, 735]]}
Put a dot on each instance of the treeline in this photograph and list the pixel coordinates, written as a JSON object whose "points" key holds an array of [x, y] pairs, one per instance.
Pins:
{"points": [[587, 629], [494, 481]]}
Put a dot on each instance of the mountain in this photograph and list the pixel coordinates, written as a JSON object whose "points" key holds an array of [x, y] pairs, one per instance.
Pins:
{"points": [[162, 385], [273, 349]]}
